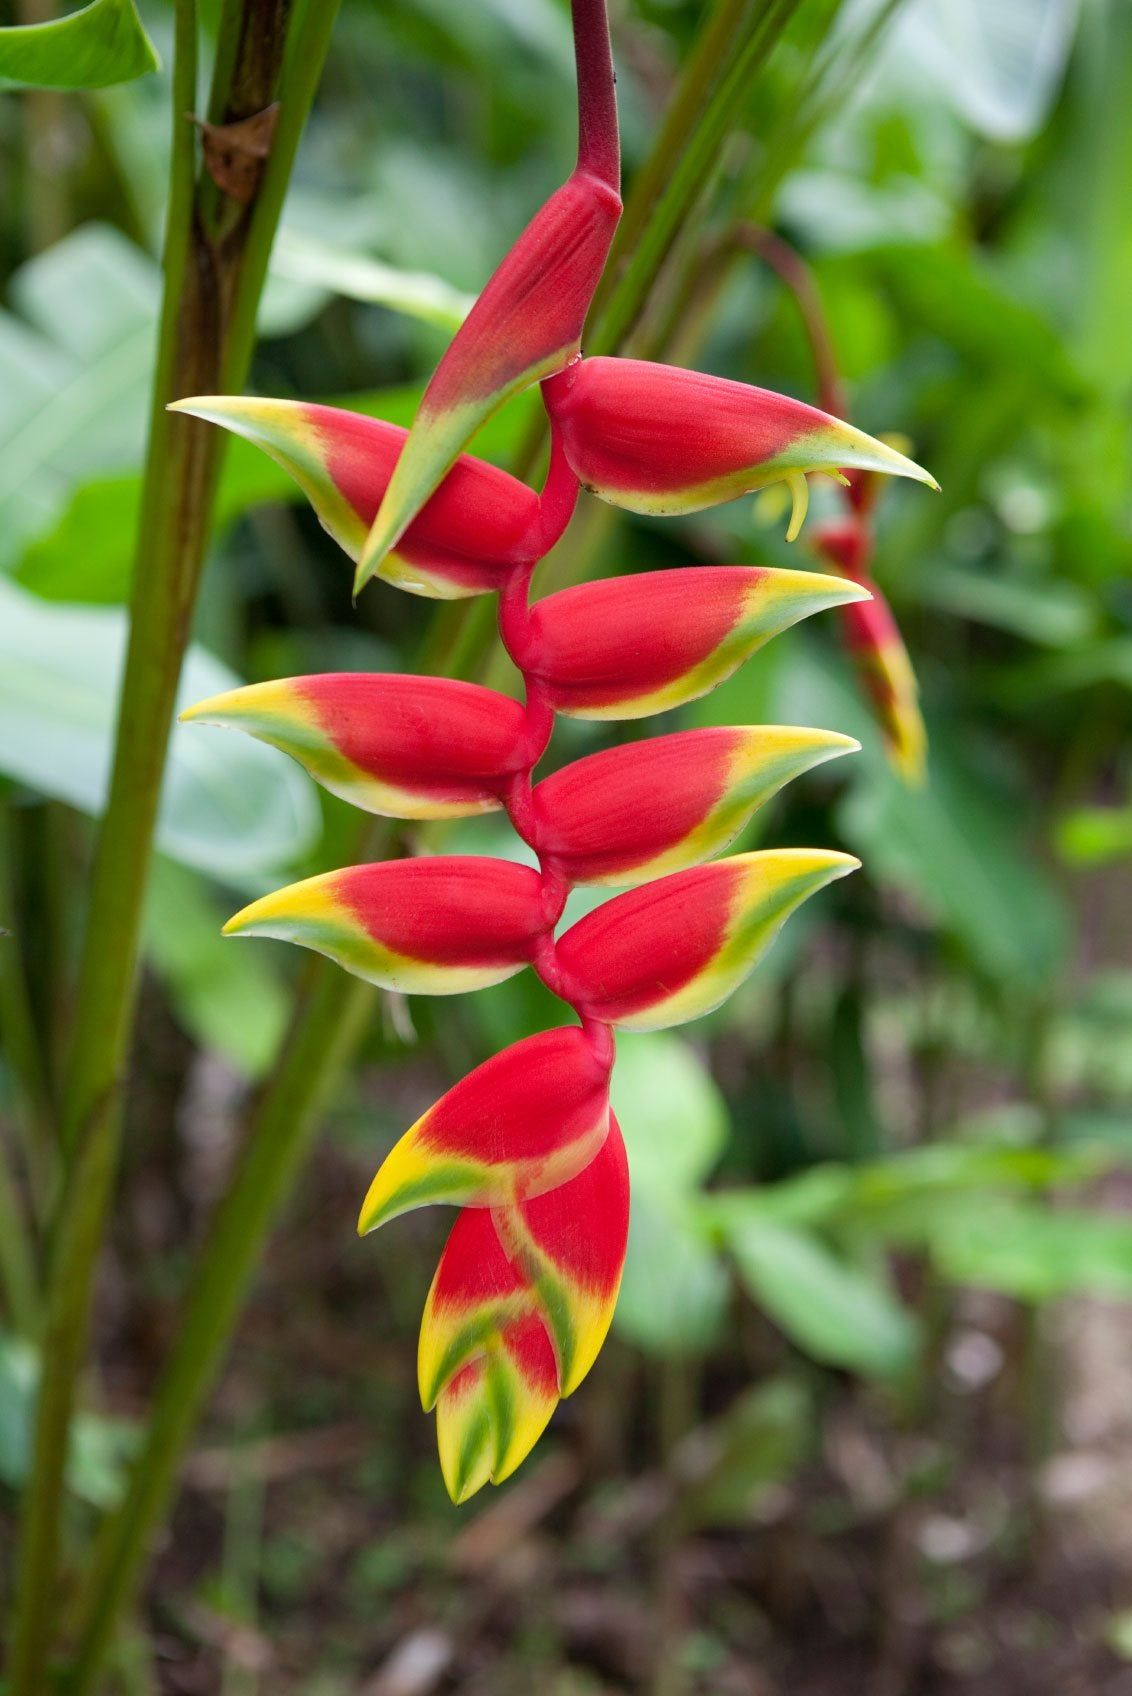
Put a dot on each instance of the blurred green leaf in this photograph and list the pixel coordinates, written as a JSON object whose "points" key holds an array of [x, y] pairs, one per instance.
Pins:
{"points": [[230, 805], [675, 1123], [74, 374], [670, 1109], [675, 1289], [999, 64], [104, 43], [838, 1312], [99, 1448], [965, 856], [230, 999], [1035, 1253], [952, 292], [1094, 836], [359, 277], [1052, 612], [729, 1467]]}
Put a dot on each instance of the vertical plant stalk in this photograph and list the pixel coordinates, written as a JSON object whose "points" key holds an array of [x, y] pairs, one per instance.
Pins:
{"points": [[22, 1050], [689, 163], [214, 264], [322, 1039], [717, 39]]}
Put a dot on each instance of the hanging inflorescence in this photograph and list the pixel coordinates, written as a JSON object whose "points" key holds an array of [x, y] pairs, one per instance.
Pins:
{"points": [[526, 1145]]}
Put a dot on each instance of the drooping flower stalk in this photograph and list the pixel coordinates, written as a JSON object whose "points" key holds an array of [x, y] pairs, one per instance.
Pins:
{"points": [[872, 635], [526, 1145]]}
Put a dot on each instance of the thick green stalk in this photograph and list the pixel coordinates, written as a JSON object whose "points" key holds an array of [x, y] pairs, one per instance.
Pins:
{"points": [[691, 167], [215, 261], [23, 1051], [18, 1279], [80, 1225], [323, 1037], [717, 39]]}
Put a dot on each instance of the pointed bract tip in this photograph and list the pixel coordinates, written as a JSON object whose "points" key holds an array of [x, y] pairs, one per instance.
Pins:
{"points": [[199, 406], [216, 709], [879, 455], [819, 585]]}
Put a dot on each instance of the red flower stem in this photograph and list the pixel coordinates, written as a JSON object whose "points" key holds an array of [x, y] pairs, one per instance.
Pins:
{"points": [[599, 150], [556, 506]]}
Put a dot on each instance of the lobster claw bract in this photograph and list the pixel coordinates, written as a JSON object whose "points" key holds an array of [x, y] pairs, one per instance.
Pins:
{"points": [[405, 747], [661, 440], [463, 539], [630, 646], [638, 811], [675, 949], [524, 1121], [517, 1313], [437, 926], [525, 325]]}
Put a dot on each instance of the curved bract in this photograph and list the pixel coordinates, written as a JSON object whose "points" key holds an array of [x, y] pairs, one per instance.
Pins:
{"points": [[632, 646], [525, 1145], [404, 747], [463, 537], [661, 440]]}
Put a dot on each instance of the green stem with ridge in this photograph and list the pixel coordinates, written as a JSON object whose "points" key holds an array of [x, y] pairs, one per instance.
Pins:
{"points": [[331, 1014], [215, 262]]}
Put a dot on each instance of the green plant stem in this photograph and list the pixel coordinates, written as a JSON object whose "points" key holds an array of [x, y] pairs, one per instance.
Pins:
{"points": [[323, 1036], [22, 1049], [716, 40], [687, 172], [214, 264], [17, 1257]]}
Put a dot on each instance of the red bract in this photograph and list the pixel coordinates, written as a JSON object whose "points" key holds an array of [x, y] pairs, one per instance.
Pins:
{"points": [[632, 813], [525, 1144], [637, 645], [872, 635], [677, 948], [660, 440], [516, 1315], [523, 1122], [528, 321], [464, 538], [426, 927], [405, 747]]}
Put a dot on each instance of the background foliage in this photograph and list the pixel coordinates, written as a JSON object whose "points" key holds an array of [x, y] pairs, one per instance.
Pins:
{"points": [[870, 1337]]}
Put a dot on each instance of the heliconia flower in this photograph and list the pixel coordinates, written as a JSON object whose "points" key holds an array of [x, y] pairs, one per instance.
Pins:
{"points": [[528, 321], [406, 747], [630, 646], [874, 641], [492, 1413], [522, 1122], [427, 927], [551, 1265], [463, 538], [526, 324], [677, 948], [637, 811], [882, 660], [661, 440]]}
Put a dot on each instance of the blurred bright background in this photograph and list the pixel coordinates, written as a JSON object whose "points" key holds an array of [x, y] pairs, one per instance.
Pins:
{"points": [[865, 1421]]}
